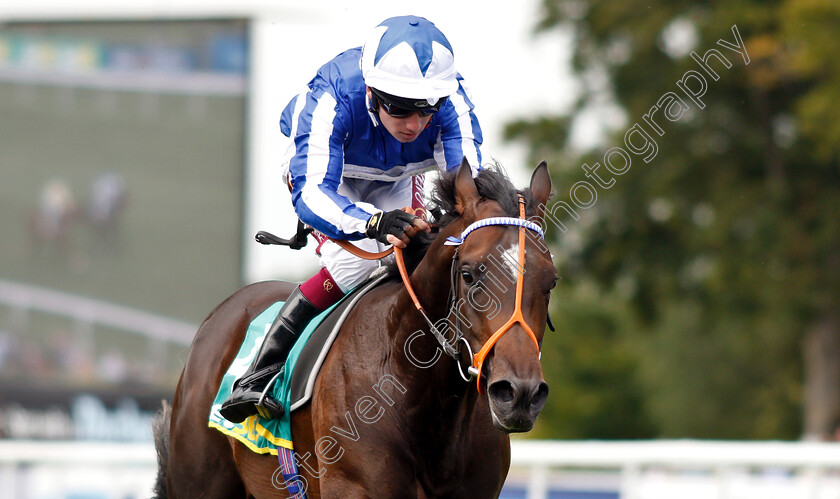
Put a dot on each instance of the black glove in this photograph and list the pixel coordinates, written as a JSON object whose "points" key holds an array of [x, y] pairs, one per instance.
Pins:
{"points": [[388, 222]]}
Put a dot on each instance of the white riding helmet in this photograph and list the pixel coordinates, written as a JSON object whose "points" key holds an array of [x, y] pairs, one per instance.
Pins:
{"points": [[407, 56]]}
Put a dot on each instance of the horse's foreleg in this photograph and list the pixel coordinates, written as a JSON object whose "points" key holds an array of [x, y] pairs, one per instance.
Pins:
{"points": [[391, 484]]}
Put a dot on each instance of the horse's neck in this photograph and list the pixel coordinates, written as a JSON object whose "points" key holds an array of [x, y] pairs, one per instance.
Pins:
{"points": [[431, 278], [442, 395]]}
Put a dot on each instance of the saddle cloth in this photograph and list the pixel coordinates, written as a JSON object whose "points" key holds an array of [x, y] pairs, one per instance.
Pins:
{"points": [[294, 390]]}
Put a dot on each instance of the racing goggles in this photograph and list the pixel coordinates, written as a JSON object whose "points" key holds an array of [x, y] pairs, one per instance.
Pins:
{"points": [[401, 107]]}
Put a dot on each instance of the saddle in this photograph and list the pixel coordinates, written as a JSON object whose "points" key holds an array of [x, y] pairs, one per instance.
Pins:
{"points": [[295, 388], [305, 366], [317, 346]]}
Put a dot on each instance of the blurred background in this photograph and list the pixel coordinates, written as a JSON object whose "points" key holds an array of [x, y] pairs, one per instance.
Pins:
{"points": [[695, 154]]}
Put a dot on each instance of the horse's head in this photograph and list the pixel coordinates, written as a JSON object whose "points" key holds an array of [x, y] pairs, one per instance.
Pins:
{"points": [[503, 303]]}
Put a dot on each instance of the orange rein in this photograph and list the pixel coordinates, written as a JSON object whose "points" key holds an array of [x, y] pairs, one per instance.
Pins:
{"points": [[479, 358], [366, 255]]}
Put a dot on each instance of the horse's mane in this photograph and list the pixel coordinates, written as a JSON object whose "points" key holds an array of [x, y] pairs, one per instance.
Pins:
{"points": [[492, 183]]}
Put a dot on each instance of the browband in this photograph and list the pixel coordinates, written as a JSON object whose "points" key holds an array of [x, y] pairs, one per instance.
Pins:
{"points": [[455, 241]]}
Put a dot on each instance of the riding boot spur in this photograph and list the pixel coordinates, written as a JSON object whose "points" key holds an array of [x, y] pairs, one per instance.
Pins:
{"points": [[249, 394]]}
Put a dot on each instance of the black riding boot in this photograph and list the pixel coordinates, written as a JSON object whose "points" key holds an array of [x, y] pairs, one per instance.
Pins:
{"points": [[244, 399]]}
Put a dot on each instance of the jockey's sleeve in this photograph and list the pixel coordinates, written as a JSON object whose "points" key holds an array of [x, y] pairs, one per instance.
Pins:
{"points": [[460, 132], [314, 120]]}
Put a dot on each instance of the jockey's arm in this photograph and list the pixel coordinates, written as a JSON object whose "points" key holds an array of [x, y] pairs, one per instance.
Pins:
{"points": [[316, 170], [460, 131]]}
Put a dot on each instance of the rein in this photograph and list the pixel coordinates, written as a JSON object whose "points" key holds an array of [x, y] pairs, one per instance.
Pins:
{"points": [[478, 358], [364, 255], [398, 253]]}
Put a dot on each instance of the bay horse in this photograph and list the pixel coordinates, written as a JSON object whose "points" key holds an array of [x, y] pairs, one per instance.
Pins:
{"points": [[391, 416]]}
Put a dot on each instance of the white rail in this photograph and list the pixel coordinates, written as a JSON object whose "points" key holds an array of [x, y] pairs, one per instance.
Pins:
{"points": [[676, 453], [44, 452], [90, 311], [686, 469], [49, 469]]}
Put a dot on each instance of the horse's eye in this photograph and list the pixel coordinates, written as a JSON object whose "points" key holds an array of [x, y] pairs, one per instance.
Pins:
{"points": [[553, 284], [467, 276]]}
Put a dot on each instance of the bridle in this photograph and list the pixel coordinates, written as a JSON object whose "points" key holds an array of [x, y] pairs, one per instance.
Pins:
{"points": [[477, 359], [516, 317]]}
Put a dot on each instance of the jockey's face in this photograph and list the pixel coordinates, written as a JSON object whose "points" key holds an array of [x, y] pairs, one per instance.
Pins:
{"points": [[403, 129]]}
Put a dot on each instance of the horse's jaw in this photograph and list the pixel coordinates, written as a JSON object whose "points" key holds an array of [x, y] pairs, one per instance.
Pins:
{"points": [[517, 428]]}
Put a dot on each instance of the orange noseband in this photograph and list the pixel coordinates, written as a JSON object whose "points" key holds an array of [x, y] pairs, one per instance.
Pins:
{"points": [[478, 358]]}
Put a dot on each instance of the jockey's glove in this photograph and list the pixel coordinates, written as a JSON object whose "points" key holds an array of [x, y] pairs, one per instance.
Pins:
{"points": [[393, 222]]}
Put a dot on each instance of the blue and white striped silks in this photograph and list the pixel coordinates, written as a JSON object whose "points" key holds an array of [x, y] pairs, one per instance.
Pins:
{"points": [[455, 241], [335, 136]]}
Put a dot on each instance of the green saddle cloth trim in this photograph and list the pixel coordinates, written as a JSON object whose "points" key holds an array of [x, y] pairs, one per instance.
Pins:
{"points": [[261, 435]]}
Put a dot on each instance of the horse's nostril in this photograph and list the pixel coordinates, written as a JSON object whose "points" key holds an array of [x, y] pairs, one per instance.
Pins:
{"points": [[539, 395], [502, 392]]}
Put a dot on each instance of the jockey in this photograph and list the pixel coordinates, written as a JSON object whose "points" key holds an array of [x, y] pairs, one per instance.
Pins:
{"points": [[371, 121]]}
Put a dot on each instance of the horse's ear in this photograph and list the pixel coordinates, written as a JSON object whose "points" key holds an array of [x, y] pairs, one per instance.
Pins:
{"points": [[541, 187], [466, 193]]}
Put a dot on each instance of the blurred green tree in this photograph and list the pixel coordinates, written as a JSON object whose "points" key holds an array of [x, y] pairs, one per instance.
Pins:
{"points": [[702, 262]]}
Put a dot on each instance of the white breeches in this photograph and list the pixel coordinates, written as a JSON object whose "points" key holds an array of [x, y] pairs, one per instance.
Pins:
{"points": [[346, 269]]}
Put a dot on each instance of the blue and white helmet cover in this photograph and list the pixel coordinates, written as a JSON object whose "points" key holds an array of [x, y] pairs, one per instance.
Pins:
{"points": [[409, 57]]}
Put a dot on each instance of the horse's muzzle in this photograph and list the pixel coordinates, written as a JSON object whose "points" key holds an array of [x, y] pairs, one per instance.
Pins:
{"points": [[515, 403]]}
